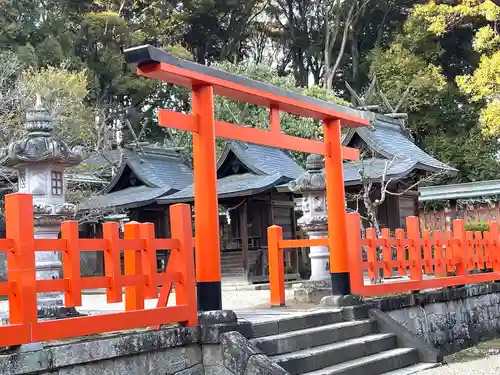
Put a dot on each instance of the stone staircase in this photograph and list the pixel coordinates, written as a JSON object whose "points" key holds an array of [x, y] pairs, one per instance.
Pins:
{"points": [[324, 343], [232, 268]]}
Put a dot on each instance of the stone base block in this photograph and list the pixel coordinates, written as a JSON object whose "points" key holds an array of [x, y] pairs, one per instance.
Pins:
{"points": [[312, 291], [57, 312], [342, 301], [215, 323], [310, 295], [217, 317]]}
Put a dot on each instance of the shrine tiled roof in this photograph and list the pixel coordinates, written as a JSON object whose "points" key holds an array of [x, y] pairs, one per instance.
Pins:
{"points": [[131, 197], [262, 160], [156, 167], [159, 171], [387, 138], [375, 169], [236, 185]]}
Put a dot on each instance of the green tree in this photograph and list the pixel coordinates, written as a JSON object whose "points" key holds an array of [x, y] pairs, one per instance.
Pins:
{"points": [[483, 85], [18, 21], [429, 60], [64, 93], [397, 69]]}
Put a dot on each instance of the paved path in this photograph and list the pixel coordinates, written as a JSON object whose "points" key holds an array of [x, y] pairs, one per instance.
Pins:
{"points": [[483, 366]]}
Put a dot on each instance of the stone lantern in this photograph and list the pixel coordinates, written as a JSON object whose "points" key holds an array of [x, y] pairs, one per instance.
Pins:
{"points": [[312, 186], [40, 161]]}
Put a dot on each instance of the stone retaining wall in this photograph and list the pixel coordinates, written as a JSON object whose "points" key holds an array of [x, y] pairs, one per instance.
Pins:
{"points": [[218, 346], [449, 319]]}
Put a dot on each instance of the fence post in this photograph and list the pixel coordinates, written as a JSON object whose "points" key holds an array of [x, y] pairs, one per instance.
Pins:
{"points": [[400, 251], [493, 229], [112, 265], [450, 266], [439, 255], [276, 266], [426, 238], [487, 249], [21, 272], [147, 232], [71, 264], [371, 253], [469, 240], [134, 295], [355, 253], [414, 248], [459, 247], [480, 258], [185, 291], [386, 252]]}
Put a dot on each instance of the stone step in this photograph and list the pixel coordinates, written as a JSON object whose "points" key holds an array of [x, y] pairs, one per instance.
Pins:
{"points": [[233, 275], [234, 270], [415, 369], [231, 261], [375, 364], [311, 337], [318, 357], [226, 256], [237, 268], [236, 280], [295, 323], [235, 265]]}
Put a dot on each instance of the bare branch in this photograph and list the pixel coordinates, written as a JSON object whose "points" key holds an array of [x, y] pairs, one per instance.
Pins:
{"points": [[429, 178]]}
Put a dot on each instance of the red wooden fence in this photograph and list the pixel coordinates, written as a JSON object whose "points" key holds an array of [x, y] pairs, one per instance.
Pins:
{"points": [[430, 259], [425, 259], [140, 280]]}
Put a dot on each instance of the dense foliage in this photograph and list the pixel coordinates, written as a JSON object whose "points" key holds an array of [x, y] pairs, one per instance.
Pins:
{"points": [[444, 54], [479, 226]]}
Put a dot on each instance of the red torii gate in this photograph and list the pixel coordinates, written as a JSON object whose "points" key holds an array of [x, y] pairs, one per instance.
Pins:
{"points": [[204, 82]]}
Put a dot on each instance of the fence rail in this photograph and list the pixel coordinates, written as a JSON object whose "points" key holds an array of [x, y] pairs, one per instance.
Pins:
{"points": [[140, 279]]}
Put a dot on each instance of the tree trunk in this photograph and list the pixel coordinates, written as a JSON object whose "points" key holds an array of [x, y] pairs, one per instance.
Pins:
{"points": [[300, 72], [355, 60], [343, 43]]}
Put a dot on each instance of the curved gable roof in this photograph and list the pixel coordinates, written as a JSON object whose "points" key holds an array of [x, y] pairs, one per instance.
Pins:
{"points": [[387, 138], [236, 185], [262, 160], [156, 168]]}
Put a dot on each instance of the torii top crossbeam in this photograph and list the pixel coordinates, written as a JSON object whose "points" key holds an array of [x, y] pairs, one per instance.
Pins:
{"points": [[205, 82], [188, 74]]}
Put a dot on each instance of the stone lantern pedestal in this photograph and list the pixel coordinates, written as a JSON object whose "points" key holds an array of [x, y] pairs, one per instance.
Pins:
{"points": [[312, 186], [320, 257], [40, 161]]}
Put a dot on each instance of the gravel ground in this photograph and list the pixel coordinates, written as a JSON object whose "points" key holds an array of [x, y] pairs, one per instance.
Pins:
{"points": [[482, 359], [483, 366], [231, 300]]}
